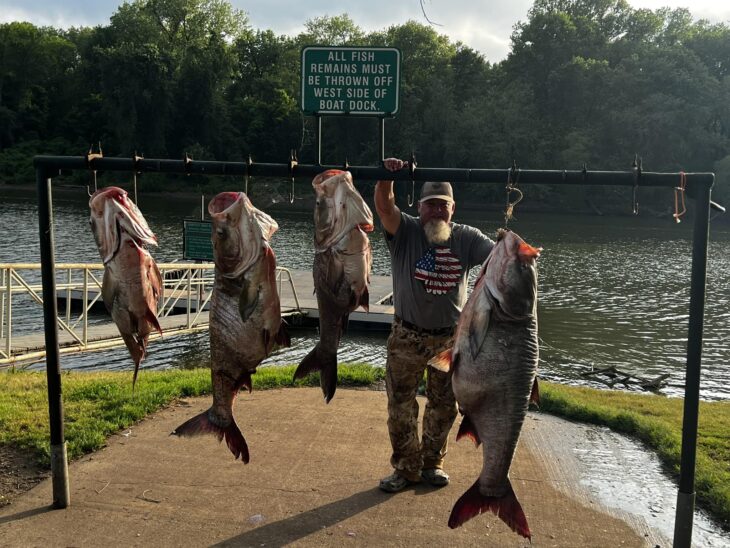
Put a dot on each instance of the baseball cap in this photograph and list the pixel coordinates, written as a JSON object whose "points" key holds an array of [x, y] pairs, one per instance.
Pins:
{"points": [[436, 191]]}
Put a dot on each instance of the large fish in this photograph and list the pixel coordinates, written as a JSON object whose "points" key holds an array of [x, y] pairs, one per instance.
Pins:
{"points": [[245, 315], [132, 282], [494, 364], [342, 259]]}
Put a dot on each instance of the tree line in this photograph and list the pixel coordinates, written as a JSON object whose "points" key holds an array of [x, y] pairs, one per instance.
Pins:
{"points": [[586, 82]]}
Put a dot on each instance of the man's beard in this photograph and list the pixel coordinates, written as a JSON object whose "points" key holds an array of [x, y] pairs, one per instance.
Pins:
{"points": [[437, 231]]}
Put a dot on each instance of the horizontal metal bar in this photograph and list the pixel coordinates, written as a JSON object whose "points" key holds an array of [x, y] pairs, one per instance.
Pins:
{"points": [[51, 164]]}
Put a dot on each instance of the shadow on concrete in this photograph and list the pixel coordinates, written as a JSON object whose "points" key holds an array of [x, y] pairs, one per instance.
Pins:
{"points": [[296, 527], [25, 514]]}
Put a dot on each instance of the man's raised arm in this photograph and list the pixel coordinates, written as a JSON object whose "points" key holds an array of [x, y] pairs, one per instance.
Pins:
{"points": [[385, 199]]}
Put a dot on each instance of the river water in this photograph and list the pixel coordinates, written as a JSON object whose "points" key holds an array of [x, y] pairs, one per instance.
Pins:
{"points": [[613, 291]]}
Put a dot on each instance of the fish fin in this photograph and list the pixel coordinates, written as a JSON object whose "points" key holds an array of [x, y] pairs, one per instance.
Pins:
{"points": [[202, 424], [324, 362], [154, 277], [478, 328], [442, 361], [507, 508], [365, 299], [467, 430], [244, 381], [266, 338], [535, 394], [108, 290], [247, 300], [282, 336], [151, 317]]}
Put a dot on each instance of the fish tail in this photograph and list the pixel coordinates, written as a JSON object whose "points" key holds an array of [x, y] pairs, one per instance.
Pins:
{"points": [[507, 508], [204, 424], [325, 362]]}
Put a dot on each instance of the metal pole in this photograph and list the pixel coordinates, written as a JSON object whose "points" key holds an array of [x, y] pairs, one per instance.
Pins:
{"points": [[382, 139], [59, 462], [686, 495], [9, 314], [319, 140]]}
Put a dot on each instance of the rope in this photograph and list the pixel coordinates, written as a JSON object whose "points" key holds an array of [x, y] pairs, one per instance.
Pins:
{"points": [[509, 209], [679, 197]]}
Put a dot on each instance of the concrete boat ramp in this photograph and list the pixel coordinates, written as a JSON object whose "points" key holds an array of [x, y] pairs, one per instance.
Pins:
{"points": [[312, 481]]}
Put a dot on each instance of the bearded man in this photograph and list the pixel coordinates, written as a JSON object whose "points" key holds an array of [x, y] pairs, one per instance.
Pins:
{"points": [[430, 261]]}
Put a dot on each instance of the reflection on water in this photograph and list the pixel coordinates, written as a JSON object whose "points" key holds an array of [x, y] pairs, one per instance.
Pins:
{"points": [[613, 291]]}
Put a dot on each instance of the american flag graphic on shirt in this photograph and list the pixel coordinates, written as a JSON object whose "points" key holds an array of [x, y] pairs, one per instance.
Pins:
{"points": [[439, 270]]}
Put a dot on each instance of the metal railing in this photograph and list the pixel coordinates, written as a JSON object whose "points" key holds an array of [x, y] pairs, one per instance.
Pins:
{"points": [[187, 289]]}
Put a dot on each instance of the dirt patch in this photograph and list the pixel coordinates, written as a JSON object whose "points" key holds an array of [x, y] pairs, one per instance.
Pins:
{"points": [[19, 473]]}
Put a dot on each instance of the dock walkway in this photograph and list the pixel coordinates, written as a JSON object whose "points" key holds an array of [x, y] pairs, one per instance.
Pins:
{"points": [[298, 305]]}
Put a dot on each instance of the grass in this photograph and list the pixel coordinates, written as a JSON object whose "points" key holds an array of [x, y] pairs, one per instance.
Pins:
{"points": [[97, 405]]}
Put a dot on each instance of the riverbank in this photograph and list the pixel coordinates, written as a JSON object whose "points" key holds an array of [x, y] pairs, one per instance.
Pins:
{"points": [[98, 405]]}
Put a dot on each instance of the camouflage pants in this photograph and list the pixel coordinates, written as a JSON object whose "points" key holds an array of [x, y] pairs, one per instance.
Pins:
{"points": [[408, 355]]}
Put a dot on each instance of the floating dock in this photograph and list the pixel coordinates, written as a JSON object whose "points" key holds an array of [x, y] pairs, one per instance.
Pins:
{"points": [[184, 305]]}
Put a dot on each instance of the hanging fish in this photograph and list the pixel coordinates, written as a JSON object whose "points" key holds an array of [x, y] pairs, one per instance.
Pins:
{"points": [[245, 314], [494, 365], [342, 260], [132, 283]]}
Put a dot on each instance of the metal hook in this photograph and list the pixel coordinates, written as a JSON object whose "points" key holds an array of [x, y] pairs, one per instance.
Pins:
{"points": [[636, 165], [188, 164], [135, 170], [292, 164], [249, 163], [412, 171], [91, 155]]}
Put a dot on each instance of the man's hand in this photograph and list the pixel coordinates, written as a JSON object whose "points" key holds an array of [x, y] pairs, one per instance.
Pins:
{"points": [[385, 199], [394, 164]]}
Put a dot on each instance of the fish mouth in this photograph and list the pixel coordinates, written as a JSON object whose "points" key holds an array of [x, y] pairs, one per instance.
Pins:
{"points": [[113, 213], [240, 232], [340, 208], [223, 201]]}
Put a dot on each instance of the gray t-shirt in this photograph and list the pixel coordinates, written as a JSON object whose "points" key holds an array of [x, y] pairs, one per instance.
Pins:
{"points": [[429, 282]]}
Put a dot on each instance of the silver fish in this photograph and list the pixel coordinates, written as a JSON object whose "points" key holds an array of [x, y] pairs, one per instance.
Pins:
{"points": [[341, 271], [132, 283], [245, 314], [494, 364]]}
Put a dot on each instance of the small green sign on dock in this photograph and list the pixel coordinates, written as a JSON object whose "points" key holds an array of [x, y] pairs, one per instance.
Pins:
{"points": [[197, 245], [362, 81]]}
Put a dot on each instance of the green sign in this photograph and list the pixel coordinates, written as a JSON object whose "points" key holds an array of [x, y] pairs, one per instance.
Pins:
{"points": [[197, 245], [350, 80]]}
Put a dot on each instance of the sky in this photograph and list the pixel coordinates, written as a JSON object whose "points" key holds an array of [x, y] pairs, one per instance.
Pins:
{"points": [[484, 25]]}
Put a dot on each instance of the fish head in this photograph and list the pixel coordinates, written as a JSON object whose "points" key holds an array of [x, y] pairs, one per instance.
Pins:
{"points": [[113, 217], [240, 232], [511, 275], [339, 208]]}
